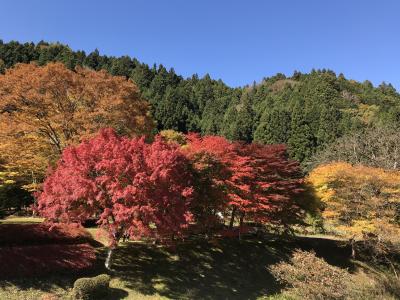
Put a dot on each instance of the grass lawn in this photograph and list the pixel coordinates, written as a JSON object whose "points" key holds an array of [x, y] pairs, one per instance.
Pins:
{"points": [[21, 220], [196, 269]]}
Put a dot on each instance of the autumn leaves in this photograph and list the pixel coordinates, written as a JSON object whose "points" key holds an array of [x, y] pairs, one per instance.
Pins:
{"points": [[159, 189], [45, 109], [52, 114], [139, 184]]}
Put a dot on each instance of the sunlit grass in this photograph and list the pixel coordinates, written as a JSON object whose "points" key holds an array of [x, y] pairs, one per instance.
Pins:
{"points": [[21, 220], [99, 235]]}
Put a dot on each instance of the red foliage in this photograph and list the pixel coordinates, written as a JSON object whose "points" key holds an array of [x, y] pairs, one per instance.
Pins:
{"points": [[212, 176], [158, 189], [274, 182], [20, 261], [133, 187], [235, 168], [39, 234], [259, 180]]}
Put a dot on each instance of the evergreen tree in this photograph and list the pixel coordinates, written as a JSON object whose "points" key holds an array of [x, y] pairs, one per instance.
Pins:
{"points": [[301, 142], [93, 60], [239, 121], [122, 66], [142, 76], [329, 129], [213, 113], [2, 66], [331, 105], [274, 127]]}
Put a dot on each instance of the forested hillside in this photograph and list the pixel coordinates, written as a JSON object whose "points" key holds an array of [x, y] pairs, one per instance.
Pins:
{"points": [[305, 111], [186, 184]]}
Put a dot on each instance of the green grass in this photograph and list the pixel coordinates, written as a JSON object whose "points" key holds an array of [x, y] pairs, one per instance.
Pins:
{"points": [[21, 220], [196, 269], [99, 235]]}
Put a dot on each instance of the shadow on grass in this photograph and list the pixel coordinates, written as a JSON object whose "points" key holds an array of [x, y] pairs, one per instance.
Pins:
{"points": [[198, 269], [228, 269], [52, 284], [334, 252]]}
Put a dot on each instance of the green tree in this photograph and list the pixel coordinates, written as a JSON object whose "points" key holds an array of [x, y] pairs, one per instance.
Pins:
{"points": [[274, 127], [93, 60], [239, 120], [329, 129], [301, 141]]}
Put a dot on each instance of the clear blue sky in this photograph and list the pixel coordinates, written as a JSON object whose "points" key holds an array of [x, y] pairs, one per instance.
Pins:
{"points": [[237, 41]]}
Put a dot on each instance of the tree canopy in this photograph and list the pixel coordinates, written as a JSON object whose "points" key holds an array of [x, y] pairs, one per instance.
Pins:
{"points": [[306, 111], [358, 199], [132, 187], [45, 109]]}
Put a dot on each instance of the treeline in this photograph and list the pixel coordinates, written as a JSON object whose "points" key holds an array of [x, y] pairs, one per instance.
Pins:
{"points": [[305, 111]]}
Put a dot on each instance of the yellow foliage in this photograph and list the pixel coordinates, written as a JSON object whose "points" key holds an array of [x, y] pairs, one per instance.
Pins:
{"points": [[7, 178], [367, 112], [173, 136], [364, 112], [358, 199]]}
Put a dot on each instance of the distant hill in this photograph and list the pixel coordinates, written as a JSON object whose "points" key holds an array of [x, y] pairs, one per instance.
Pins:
{"points": [[305, 111]]}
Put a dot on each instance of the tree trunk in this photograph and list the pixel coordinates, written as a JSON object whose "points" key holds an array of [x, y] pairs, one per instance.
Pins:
{"points": [[241, 224], [353, 248], [109, 258], [232, 218], [117, 237]]}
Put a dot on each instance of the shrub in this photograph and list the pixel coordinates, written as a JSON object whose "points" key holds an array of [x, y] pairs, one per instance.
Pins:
{"points": [[310, 277], [91, 288], [390, 285], [42, 234], [381, 248], [24, 261]]}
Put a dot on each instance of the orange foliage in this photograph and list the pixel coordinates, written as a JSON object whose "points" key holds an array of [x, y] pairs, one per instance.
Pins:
{"points": [[45, 109]]}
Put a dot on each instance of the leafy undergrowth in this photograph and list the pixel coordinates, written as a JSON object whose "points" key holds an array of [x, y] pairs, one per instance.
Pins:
{"points": [[43, 259], [31, 250], [40, 234]]}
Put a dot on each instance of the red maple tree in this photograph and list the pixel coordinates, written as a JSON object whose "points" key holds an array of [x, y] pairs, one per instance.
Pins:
{"points": [[259, 181], [274, 184], [157, 189], [132, 187]]}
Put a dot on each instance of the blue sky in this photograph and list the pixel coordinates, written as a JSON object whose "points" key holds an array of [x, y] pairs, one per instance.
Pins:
{"points": [[237, 41]]}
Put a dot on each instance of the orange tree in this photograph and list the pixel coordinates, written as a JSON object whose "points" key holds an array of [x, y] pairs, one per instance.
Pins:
{"points": [[45, 109]]}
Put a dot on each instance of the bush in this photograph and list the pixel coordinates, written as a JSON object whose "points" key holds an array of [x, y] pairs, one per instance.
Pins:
{"points": [[390, 285], [42, 234], [310, 277], [91, 288], [381, 248], [25, 261]]}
